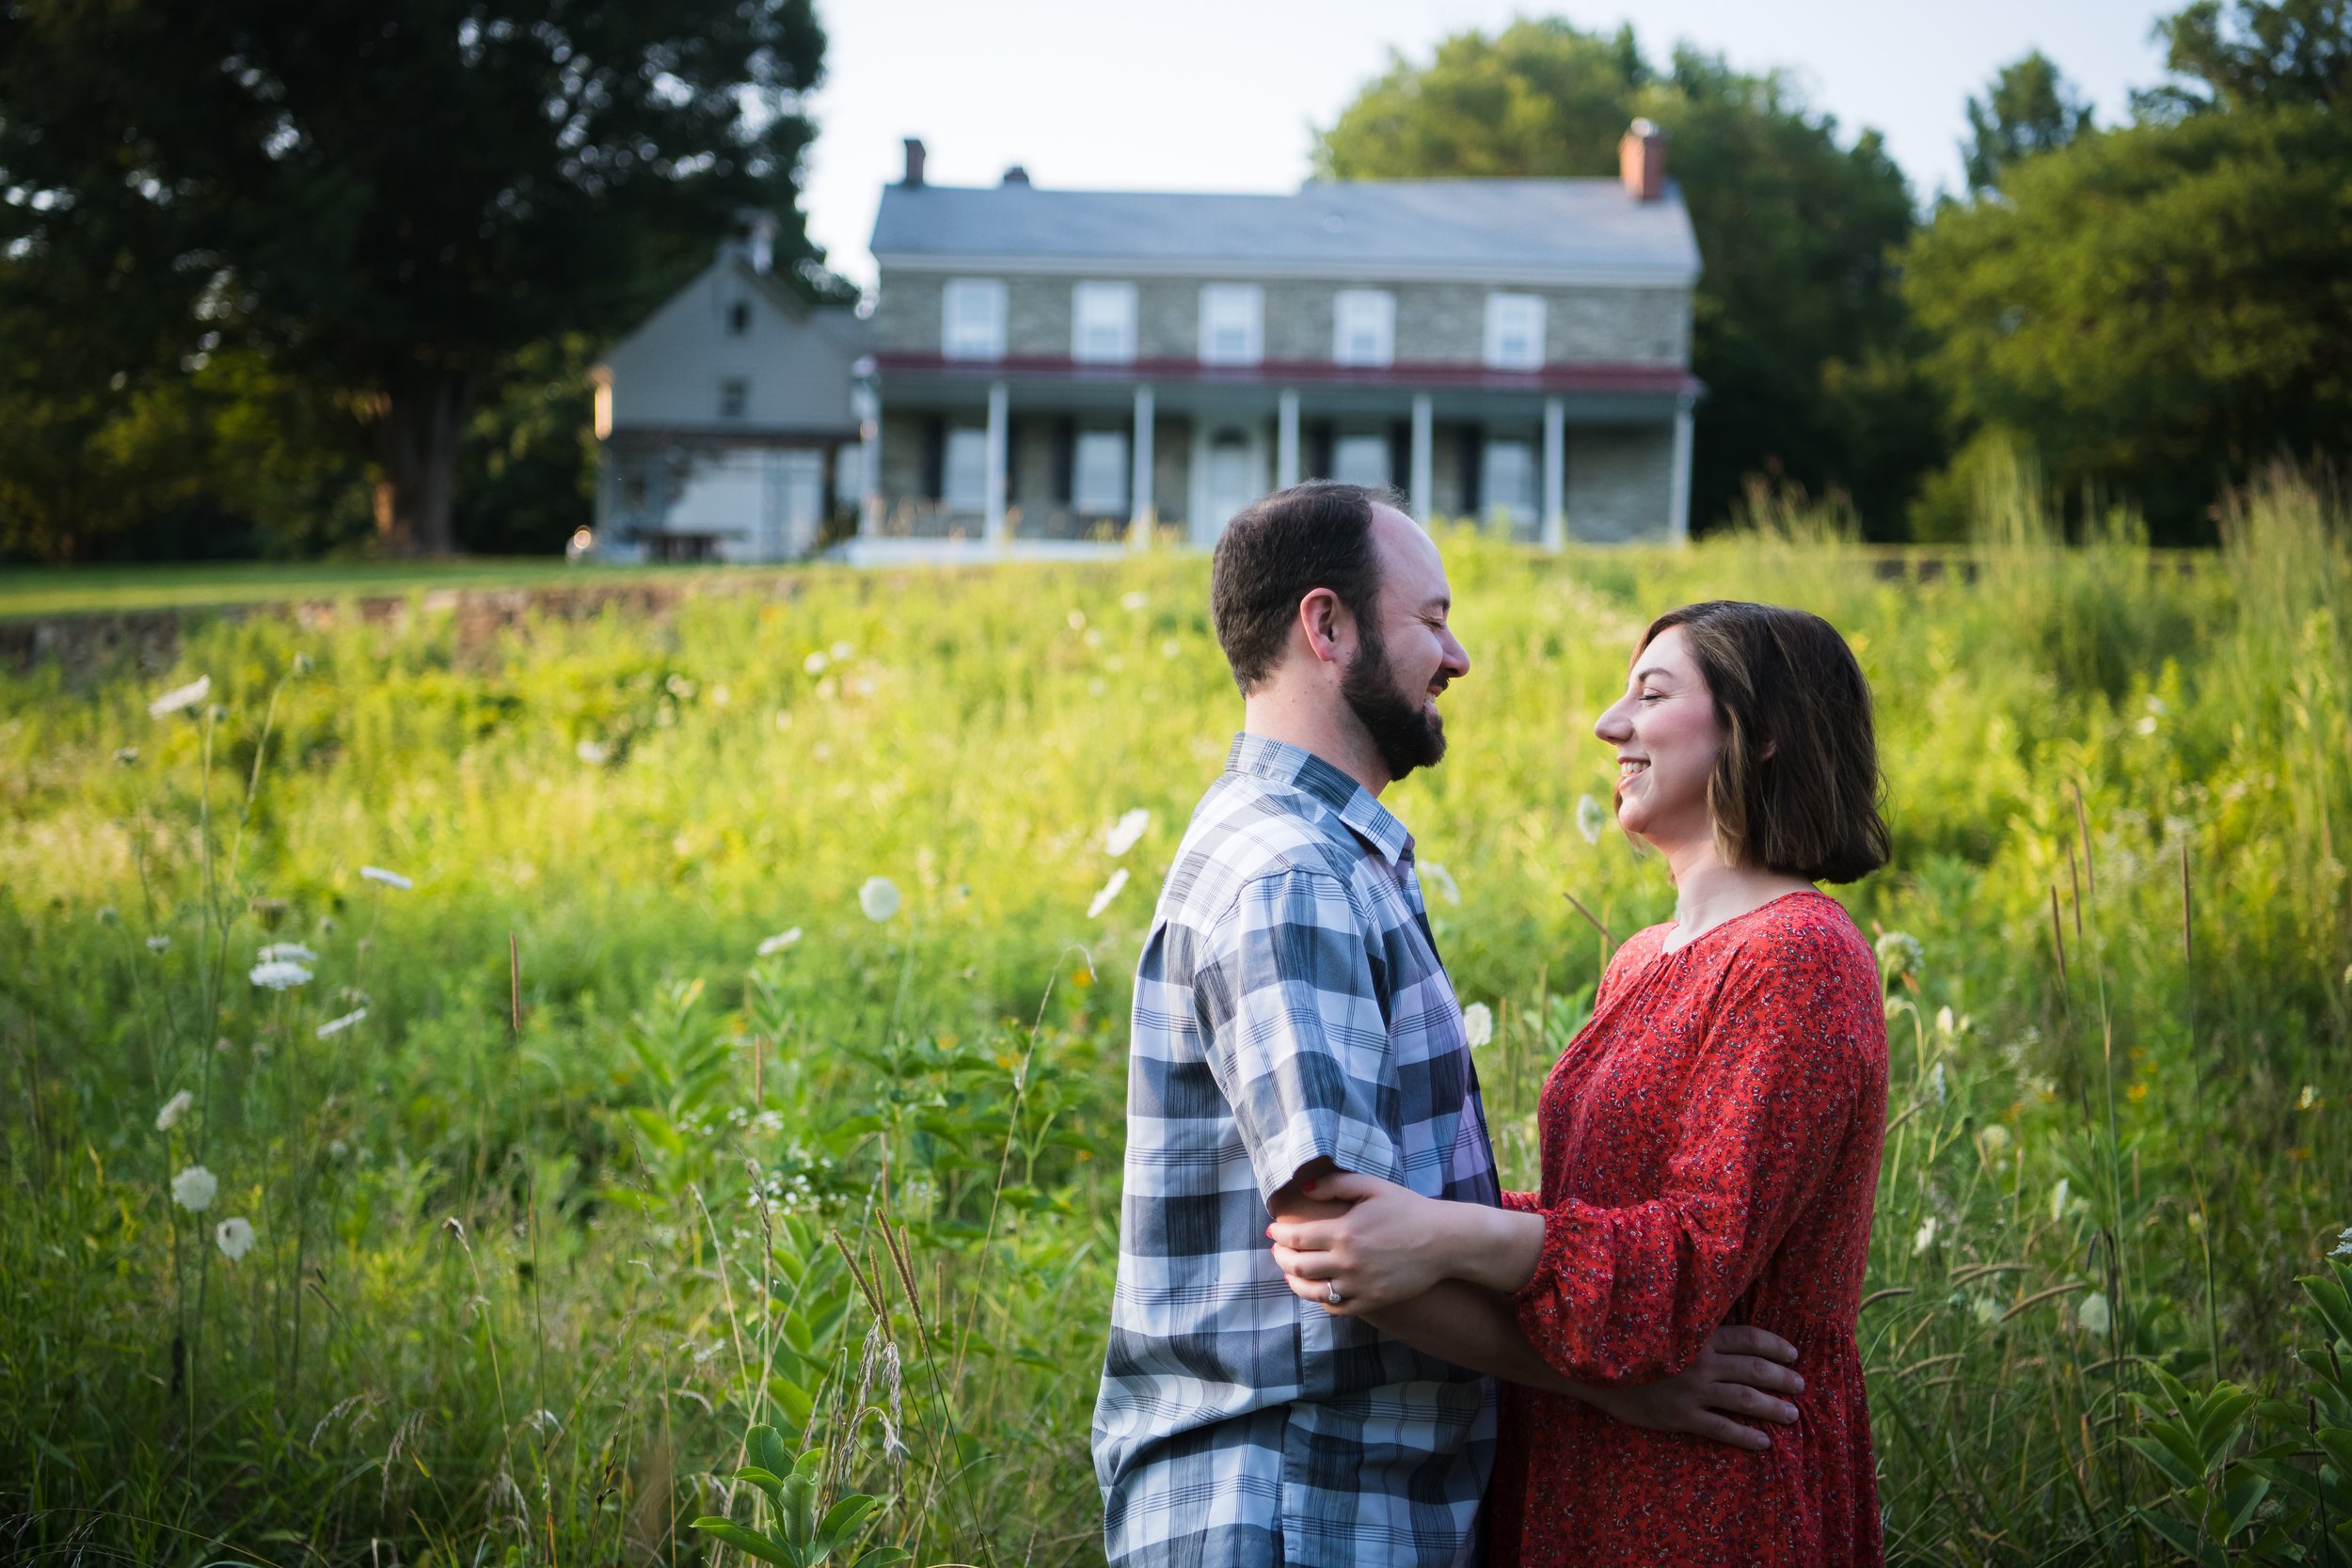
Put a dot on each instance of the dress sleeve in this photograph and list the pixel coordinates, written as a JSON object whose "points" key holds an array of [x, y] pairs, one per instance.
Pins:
{"points": [[1630, 1294], [1296, 1036], [1524, 1203]]}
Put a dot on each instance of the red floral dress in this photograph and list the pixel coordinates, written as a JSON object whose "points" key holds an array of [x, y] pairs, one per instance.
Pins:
{"points": [[1710, 1154]]}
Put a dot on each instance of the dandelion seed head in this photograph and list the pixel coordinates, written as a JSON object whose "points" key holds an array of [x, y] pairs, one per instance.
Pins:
{"points": [[174, 1108], [815, 663], [1996, 1140], [235, 1237], [769, 947], [1123, 834], [389, 879], [879, 898], [1478, 1024], [1110, 891], [278, 975], [195, 1188], [180, 697], [1900, 954], [1589, 820], [2095, 1315]]}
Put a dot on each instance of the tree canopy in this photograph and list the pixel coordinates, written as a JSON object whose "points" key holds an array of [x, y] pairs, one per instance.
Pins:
{"points": [[2030, 108], [1798, 331]]}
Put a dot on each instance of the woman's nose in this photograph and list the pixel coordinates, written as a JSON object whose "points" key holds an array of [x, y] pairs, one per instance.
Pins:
{"points": [[1612, 726]]}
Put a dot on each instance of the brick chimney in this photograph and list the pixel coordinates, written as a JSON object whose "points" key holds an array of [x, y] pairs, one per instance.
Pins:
{"points": [[914, 164], [1642, 161]]}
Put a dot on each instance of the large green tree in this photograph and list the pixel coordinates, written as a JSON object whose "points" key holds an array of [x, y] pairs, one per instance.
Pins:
{"points": [[2156, 310], [2029, 107], [390, 203], [1798, 331]]}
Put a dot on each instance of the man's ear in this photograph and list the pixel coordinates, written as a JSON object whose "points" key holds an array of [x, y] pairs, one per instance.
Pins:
{"points": [[1326, 623]]}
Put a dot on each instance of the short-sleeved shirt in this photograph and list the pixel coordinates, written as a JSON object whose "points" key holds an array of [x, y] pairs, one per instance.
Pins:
{"points": [[1289, 1006]]}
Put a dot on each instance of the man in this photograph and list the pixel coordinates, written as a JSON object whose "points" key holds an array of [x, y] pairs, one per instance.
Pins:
{"points": [[1292, 1018]]}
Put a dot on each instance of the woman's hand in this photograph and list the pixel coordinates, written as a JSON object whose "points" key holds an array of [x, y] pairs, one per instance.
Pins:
{"points": [[1390, 1245]]}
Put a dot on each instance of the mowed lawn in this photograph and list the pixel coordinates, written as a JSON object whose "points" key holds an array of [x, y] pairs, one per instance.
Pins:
{"points": [[31, 591]]}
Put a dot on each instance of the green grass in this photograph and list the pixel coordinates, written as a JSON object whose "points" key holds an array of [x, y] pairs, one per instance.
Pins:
{"points": [[27, 593], [534, 1245]]}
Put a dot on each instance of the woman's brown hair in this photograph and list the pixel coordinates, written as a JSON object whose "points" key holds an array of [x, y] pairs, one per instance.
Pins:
{"points": [[1797, 787]]}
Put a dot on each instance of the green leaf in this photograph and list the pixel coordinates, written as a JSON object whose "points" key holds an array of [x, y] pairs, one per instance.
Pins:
{"points": [[2241, 1496], [750, 1542], [841, 1522], [883, 1557], [2180, 1537], [767, 1481], [2162, 1456], [766, 1448]]}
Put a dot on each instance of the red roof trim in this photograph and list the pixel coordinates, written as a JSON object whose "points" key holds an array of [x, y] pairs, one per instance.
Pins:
{"points": [[1572, 376]]}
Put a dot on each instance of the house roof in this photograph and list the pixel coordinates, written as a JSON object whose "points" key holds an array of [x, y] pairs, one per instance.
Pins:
{"points": [[1495, 230]]}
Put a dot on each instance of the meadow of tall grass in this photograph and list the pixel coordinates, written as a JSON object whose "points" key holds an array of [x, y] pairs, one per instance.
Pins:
{"points": [[501, 1098]]}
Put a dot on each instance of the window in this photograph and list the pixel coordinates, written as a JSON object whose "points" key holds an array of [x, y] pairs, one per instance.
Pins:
{"points": [[1506, 480], [1099, 480], [1361, 460], [964, 483], [739, 319], [735, 397], [1515, 332], [1364, 326], [1102, 323], [972, 318], [1232, 321]]}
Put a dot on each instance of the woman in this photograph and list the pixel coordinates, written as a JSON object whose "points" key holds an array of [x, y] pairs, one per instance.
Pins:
{"points": [[1711, 1139]]}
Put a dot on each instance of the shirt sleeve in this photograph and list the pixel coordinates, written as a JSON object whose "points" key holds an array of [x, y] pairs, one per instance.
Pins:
{"points": [[1296, 1038], [1630, 1294]]}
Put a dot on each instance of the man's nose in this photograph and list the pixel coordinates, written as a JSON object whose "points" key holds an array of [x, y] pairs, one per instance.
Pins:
{"points": [[1456, 658]]}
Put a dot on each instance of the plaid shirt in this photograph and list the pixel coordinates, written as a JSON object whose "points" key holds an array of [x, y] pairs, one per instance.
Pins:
{"points": [[1289, 1005]]}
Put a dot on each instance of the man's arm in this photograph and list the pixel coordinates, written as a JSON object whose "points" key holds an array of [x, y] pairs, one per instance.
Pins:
{"points": [[1740, 1372]]}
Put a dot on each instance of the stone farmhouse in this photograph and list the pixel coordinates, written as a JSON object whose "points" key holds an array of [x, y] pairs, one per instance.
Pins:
{"points": [[1055, 372], [1068, 373]]}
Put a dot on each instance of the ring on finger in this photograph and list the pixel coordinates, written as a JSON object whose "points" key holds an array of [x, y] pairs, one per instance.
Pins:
{"points": [[1331, 1293]]}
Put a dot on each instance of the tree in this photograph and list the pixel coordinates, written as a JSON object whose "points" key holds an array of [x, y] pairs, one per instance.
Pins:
{"points": [[2294, 52], [1798, 331], [2030, 108], [390, 203]]}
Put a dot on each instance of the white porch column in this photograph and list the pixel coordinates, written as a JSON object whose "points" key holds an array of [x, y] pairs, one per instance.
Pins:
{"points": [[868, 403], [1679, 517], [1555, 475], [1423, 494], [1286, 442], [1142, 516], [999, 441]]}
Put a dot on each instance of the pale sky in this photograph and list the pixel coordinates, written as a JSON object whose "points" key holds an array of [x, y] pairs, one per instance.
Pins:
{"points": [[1224, 95]]}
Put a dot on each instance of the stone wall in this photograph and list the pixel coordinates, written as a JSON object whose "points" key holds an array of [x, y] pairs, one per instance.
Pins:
{"points": [[1620, 481]]}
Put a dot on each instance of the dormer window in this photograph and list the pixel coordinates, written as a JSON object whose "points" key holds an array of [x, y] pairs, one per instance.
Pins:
{"points": [[1515, 332], [739, 319], [1364, 326], [1102, 323], [1232, 324], [972, 318]]}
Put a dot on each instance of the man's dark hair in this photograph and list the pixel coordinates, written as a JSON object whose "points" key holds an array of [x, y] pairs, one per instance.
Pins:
{"points": [[1796, 789], [1279, 550]]}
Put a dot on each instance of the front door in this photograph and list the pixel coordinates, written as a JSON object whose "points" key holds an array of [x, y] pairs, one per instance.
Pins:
{"points": [[1230, 460]]}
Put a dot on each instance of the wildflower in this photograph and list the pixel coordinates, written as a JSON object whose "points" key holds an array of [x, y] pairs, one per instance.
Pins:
{"points": [[2094, 1315], [1077, 620], [1124, 833], [334, 1026], [1988, 1311], [2344, 1244], [1900, 954], [2057, 1200], [1924, 1237], [1478, 1024], [879, 898], [1935, 1082], [195, 1188], [1995, 1141], [107, 915], [1172, 648], [842, 652], [174, 1108], [287, 952], [127, 756], [1110, 891], [815, 663], [1945, 1023], [594, 753], [235, 1237], [2146, 725], [389, 879], [180, 697], [163, 944], [679, 686], [338, 1148], [2304, 1102], [1588, 818], [777, 943], [278, 975], [1134, 599], [1439, 877]]}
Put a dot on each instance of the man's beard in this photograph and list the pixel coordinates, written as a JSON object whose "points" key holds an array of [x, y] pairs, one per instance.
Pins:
{"points": [[1403, 731]]}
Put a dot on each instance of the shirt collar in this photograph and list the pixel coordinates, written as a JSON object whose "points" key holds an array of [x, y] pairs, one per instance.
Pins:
{"points": [[1295, 766]]}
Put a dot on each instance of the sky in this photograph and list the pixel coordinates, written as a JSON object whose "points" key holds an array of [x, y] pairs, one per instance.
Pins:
{"points": [[1225, 95]]}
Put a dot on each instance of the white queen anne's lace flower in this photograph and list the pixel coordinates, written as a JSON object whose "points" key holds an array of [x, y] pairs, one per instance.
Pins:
{"points": [[1125, 831], [1478, 1024], [235, 1237], [2344, 1244], [278, 975], [174, 1108], [879, 898], [286, 952], [1110, 891], [334, 1026], [195, 1188], [163, 944], [180, 697]]}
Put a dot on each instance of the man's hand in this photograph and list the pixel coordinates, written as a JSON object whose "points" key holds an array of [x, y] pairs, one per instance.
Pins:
{"points": [[1739, 1373]]}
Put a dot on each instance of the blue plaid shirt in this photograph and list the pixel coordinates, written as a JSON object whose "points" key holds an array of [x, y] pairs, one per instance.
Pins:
{"points": [[1289, 1006]]}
